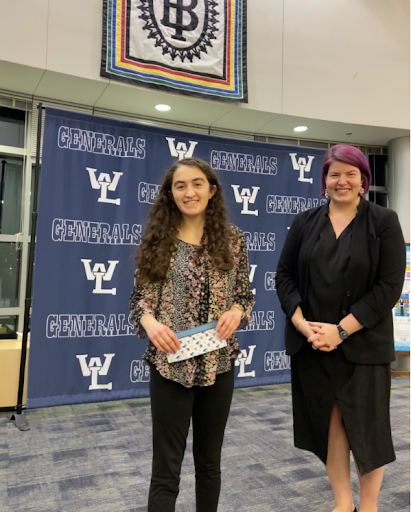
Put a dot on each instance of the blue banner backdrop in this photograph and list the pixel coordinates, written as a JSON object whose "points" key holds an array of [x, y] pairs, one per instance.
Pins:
{"points": [[99, 178]]}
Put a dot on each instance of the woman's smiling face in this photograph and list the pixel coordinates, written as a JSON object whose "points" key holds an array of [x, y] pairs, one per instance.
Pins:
{"points": [[343, 182], [191, 190]]}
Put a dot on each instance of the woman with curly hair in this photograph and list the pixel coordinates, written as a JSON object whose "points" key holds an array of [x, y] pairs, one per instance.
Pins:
{"points": [[192, 269]]}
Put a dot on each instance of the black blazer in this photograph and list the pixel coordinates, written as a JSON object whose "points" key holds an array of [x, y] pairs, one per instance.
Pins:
{"points": [[373, 281]]}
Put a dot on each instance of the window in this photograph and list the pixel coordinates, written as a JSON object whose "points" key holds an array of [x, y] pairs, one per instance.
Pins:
{"points": [[313, 144], [378, 164], [279, 140], [12, 122], [11, 183], [9, 275], [379, 185], [8, 327], [14, 182], [30, 203], [380, 198]]}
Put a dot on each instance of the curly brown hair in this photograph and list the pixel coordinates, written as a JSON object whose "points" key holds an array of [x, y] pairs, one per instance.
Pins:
{"points": [[159, 240]]}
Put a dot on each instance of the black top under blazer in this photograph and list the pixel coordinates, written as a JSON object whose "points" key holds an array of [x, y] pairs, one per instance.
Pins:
{"points": [[373, 281]]}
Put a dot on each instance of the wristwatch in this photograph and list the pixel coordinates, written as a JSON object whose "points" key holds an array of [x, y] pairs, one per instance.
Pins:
{"points": [[343, 334]]}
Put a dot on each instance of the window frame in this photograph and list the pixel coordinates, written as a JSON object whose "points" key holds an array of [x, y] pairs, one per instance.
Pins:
{"points": [[24, 238]]}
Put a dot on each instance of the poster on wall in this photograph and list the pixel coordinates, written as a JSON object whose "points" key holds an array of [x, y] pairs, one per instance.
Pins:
{"points": [[196, 48], [99, 179], [401, 311]]}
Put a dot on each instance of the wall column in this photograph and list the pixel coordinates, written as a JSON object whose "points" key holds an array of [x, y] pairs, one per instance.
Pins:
{"points": [[399, 181]]}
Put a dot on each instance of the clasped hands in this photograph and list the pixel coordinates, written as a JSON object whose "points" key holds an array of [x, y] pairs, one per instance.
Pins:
{"points": [[322, 336]]}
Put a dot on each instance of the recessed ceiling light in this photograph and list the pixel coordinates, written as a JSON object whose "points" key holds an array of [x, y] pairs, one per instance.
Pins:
{"points": [[300, 128], [163, 108]]}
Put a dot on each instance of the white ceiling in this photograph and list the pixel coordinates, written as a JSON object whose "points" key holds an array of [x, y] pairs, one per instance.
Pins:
{"points": [[108, 95]]}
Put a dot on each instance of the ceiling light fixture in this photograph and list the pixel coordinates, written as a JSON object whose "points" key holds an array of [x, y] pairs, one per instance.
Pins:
{"points": [[300, 128], [163, 108]]}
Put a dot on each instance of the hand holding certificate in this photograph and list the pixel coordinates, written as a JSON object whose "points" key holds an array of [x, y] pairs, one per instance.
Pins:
{"points": [[196, 341]]}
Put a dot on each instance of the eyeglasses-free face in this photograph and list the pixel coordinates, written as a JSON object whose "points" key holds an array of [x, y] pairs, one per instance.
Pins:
{"points": [[343, 182], [191, 190]]}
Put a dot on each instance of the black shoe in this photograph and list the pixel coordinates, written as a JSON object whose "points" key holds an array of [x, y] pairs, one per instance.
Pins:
{"points": [[355, 510]]}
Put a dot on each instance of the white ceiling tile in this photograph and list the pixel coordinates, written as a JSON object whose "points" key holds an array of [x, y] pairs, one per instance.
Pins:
{"points": [[283, 126], [69, 88], [142, 101], [18, 78], [242, 119]]}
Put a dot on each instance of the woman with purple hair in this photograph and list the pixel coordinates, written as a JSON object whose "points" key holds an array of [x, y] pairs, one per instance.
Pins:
{"points": [[340, 274]]}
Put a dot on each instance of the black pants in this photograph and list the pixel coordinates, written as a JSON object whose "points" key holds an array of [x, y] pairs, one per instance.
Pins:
{"points": [[172, 407]]}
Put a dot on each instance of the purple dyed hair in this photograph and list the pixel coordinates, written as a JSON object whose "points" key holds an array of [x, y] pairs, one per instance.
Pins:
{"points": [[348, 155]]}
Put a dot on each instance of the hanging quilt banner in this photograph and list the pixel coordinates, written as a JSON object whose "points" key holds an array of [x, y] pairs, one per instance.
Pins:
{"points": [[194, 47]]}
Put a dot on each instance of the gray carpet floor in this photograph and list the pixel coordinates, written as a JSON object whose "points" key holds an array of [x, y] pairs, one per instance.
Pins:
{"points": [[97, 457]]}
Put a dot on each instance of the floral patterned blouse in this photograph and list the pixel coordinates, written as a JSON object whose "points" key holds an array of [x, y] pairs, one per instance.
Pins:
{"points": [[193, 294]]}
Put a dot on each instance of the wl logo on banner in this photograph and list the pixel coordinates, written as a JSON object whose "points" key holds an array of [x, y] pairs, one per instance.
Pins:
{"points": [[105, 183], [100, 274], [180, 150], [94, 368], [245, 359], [303, 166], [246, 197]]}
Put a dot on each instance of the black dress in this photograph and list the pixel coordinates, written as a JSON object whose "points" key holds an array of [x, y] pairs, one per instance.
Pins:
{"points": [[320, 378]]}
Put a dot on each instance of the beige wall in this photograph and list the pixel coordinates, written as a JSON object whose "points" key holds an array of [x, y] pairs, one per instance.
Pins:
{"points": [[340, 60], [347, 60]]}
